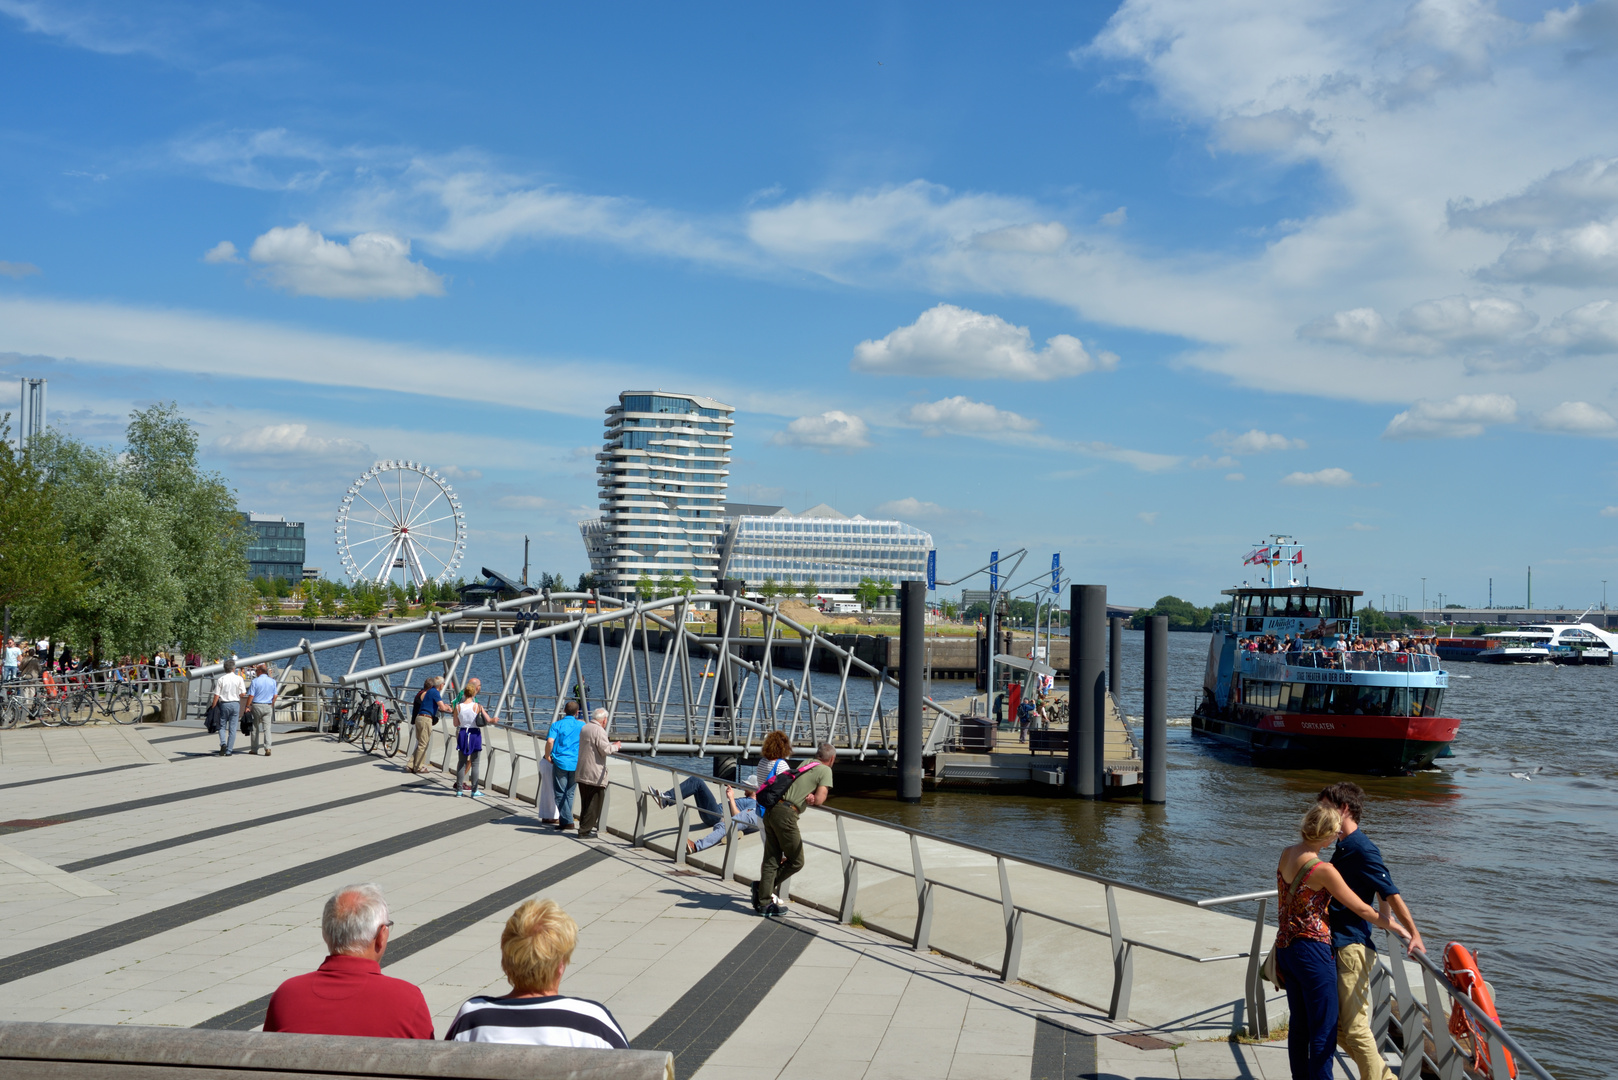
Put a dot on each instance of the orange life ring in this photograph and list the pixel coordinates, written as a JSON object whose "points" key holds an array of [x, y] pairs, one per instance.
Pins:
{"points": [[1461, 968]]}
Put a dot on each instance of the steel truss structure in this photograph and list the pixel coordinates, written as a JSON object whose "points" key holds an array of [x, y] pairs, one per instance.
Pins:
{"points": [[670, 689]]}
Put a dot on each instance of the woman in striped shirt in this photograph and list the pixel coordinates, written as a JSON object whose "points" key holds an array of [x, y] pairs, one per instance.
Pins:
{"points": [[535, 949]]}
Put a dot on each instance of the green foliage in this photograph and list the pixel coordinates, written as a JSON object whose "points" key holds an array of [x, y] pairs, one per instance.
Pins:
{"points": [[282, 588], [666, 586], [1183, 614], [686, 585], [867, 592], [1373, 621], [951, 609], [39, 572], [366, 600], [769, 590], [262, 586], [587, 581], [644, 587], [809, 590], [311, 607], [163, 544], [328, 605], [1479, 630]]}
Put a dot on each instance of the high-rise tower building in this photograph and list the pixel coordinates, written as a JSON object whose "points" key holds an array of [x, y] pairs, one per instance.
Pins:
{"points": [[662, 473]]}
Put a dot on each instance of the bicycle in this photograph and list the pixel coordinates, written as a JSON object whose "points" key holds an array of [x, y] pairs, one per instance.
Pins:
{"points": [[380, 726]]}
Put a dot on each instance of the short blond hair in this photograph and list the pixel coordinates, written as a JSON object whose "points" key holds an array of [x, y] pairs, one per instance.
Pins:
{"points": [[538, 940], [1321, 823]]}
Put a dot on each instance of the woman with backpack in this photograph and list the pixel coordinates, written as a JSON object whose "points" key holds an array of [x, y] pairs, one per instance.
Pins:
{"points": [[1305, 887], [470, 720]]}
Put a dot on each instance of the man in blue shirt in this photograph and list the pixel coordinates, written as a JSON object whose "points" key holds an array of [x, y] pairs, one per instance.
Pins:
{"points": [[429, 703], [263, 689], [562, 747], [1360, 863]]}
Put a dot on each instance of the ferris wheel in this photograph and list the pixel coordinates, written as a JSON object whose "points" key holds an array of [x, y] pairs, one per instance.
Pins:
{"points": [[400, 515]]}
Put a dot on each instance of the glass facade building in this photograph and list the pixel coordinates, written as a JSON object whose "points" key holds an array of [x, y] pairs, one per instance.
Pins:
{"points": [[823, 546], [276, 548], [661, 476]]}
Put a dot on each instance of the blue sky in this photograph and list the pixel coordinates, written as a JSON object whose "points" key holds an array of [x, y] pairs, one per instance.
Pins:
{"points": [[1136, 283]]}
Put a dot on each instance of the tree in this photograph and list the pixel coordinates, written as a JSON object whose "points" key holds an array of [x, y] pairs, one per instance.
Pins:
{"points": [[884, 587], [587, 581], [686, 585], [311, 607], [39, 571], [768, 589], [282, 588], [951, 609], [644, 587], [1182, 614], [328, 605], [809, 589], [666, 586], [367, 600], [867, 592]]}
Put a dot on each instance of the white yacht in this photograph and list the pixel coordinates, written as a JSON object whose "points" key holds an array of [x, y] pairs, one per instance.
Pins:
{"points": [[1556, 643]]}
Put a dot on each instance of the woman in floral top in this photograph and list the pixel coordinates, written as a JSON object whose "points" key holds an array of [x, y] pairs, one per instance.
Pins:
{"points": [[1305, 887]]}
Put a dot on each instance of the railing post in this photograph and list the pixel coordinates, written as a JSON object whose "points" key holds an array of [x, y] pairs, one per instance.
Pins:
{"points": [[606, 807], [851, 875], [1409, 1013], [685, 820], [1448, 1058], [638, 837], [1258, 1012], [924, 900], [1123, 963], [1011, 961], [728, 870]]}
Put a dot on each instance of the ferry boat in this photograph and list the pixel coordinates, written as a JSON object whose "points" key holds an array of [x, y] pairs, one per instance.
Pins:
{"points": [[1556, 643], [1316, 702]]}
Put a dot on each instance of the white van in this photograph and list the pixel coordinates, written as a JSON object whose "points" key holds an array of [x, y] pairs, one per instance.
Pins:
{"points": [[845, 608]]}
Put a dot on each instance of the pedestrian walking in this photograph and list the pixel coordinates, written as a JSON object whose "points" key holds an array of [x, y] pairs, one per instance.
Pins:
{"points": [[1305, 886], [783, 845], [594, 749], [424, 711], [470, 720], [562, 747], [1360, 862], [228, 692], [263, 691]]}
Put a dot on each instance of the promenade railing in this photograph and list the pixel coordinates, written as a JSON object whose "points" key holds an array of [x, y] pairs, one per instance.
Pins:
{"points": [[1274, 666]]}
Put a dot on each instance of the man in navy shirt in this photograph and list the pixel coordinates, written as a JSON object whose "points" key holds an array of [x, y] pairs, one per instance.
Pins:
{"points": [[429, 703], [1360, 863]]}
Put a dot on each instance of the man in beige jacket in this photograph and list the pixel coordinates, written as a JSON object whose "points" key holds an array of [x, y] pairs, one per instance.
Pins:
{"points": [[594, 750]]}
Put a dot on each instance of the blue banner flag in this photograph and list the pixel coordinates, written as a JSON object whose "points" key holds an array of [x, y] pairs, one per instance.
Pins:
{"points": [[994, 571], [932, 571], [1056, 572]]}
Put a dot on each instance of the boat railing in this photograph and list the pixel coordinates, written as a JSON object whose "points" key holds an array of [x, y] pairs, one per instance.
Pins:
{"points": [[1274, 665]]}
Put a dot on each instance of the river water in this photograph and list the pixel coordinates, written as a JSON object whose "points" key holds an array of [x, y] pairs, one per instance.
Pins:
{"points": [[1520, 870]]}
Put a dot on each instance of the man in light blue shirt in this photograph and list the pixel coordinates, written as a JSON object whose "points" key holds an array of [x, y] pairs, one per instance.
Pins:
{"points": [[563, 751], [263, 689]]}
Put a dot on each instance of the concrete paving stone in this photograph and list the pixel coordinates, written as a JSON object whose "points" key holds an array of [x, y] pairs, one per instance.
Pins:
{"points": [[990, 1067], [1216, 1061], [816, 1064], [862, 1003]]}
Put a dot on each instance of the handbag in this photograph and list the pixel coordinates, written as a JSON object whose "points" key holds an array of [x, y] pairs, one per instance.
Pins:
{"points": [[247, 720], [211, 718], [1270, 972]]}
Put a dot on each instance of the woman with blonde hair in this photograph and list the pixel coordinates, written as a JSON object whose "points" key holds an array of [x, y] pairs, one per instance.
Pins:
{"points": [[1305, 887], [535, 949]]}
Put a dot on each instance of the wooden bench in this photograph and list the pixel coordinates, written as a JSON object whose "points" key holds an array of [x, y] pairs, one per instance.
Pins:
{"points": [[39, 1051]]}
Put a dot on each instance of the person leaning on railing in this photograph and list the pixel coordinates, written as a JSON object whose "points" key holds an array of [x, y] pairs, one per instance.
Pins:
{"points": [[1305, 886], [783, 844]]}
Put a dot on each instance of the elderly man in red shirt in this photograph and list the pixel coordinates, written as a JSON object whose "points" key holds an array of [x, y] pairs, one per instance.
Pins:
{"points": [[348, 994]]}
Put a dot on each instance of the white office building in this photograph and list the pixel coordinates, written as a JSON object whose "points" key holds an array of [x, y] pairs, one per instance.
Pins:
{"points": [[820, 545], [662, 473]]}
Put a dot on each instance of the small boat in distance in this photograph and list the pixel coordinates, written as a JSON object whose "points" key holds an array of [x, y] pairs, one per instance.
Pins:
{"points": [[1289, 680], [1556, 643]]}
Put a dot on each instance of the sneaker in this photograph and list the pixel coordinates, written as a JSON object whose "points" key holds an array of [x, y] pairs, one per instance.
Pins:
{"points": [[477, 794], [219, 752], [660, 799], [459, 793], [266, 753], [774, 911]]}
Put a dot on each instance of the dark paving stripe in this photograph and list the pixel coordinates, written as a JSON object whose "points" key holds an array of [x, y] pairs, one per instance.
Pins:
{"points": [[199, 793], [129, 931], [75, 776], [249, 1016], [222, 830], [716, 1007], [1061, 1053]]}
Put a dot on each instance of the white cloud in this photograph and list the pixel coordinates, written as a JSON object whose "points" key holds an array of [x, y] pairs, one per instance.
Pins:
{"points": [[1235, 476], [526, 502], [289, 440], [1144, 460], [832, 430], [1148, 516], [1609, 511], [17, 270], [1115, 218], [370, 266], [222, 252], [1429, 328], [1322, 478], [1274, 132], [1577, 418], [1041, 239], [1360, 527], [1563, 227], [962, 415], [950, 340], [1255, 442], [192, 343], [1589, 329], [914, 509], [1462, 417], [455, 472], [1223, 461]]}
